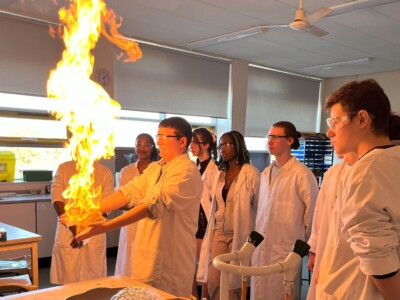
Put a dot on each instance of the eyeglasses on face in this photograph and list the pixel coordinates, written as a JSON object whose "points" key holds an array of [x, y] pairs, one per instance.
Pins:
{"points": [[272, 137], [338, 122], [147, 146], [164, 137], [225, 145], [197, 143]]}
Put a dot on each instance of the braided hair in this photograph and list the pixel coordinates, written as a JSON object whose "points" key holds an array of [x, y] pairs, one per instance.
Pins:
{"points": [[242, 154]]}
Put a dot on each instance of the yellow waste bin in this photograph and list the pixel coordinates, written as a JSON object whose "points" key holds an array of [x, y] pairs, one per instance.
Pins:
{"points": [[7, 166]]}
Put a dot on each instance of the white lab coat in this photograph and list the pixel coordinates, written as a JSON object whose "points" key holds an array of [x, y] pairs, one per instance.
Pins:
{"points": [[320, 226], [366, 229], [245, 209], [285, 211], [208, 178], [164, 250], [123, 266], [69, 265]]}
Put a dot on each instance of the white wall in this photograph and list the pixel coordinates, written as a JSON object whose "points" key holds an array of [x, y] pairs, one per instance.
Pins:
{"points": [[390, 82]]}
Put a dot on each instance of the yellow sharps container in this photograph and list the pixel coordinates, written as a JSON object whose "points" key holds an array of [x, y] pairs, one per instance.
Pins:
{"points": [[7, 166]]}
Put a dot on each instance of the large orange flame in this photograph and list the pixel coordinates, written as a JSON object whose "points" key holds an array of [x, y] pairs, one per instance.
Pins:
{"points": [[85, 106]]}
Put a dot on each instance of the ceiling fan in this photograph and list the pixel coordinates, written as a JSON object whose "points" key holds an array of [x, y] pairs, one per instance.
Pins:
{"points": [[301, 22]]}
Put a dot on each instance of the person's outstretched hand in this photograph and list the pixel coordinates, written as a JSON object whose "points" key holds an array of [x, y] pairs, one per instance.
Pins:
{"points": [[74, 243], [92, 230]]}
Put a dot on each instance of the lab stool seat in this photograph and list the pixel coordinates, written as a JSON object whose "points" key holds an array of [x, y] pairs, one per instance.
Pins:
{"points": [[15, 284], [19, 265]]}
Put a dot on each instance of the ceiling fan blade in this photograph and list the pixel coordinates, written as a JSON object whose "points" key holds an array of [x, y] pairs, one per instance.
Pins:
{"points": [[277, 26], [232, 36], [318, 14], [354, 5], [314, 30]]}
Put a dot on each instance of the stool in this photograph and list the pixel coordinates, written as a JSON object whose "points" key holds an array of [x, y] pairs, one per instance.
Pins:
{"points": [[19, 265], [15, 284]]}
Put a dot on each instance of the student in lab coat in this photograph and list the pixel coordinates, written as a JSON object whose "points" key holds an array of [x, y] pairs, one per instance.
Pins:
{"points": [[166, 198], [81, 261], [288, 191], [361, 258], [204, 148], [146, 151], [234, 197], [326, 200]]}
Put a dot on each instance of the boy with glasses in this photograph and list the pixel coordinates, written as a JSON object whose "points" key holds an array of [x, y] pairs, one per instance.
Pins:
{"points": [[288, 191], [166, 198], [361, 258]]}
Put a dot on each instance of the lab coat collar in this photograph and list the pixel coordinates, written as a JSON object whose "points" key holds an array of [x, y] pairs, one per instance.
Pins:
{"points": [[288, 164], [163, 164]]}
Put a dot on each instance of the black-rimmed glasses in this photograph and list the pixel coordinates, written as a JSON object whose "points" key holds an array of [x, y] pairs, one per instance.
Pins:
{"points": [[198, 143], [164, 137]]}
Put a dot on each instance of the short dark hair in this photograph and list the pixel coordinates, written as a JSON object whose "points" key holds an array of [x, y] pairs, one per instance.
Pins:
{"points": [[154, 151], [242, 154], [365, 95], [180, 125], [207, 138], [394, 127], [290, 131]]}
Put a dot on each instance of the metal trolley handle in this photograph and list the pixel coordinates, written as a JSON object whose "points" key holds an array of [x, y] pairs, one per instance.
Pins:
{"points": [[289, 266]]}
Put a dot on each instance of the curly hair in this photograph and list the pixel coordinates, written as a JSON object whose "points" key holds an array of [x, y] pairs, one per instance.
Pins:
{"points": [[242, 154]]}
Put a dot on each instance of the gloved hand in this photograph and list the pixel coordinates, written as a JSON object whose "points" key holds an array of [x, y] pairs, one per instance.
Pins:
{"points": [[63, 219], [74, 243]]}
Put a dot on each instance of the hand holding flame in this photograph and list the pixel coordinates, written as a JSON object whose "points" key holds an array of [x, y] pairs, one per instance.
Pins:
{"points": [[65, 220], [84, 106], [92, 230]]}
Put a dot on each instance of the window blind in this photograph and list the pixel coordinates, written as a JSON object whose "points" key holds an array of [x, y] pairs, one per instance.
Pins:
{"points": [[273, 96], [169, 81], [27, 54]]}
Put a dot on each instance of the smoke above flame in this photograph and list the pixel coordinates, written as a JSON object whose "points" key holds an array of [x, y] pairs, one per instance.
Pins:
{"points": [[83, 104]]}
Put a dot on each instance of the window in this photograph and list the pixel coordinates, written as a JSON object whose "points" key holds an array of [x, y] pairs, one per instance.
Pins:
{"points": [[38, 140], [36, 158], [256, 144], [126, 131]]}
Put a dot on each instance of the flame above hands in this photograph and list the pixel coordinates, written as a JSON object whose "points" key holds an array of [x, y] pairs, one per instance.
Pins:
{"points": [[84, 106]]}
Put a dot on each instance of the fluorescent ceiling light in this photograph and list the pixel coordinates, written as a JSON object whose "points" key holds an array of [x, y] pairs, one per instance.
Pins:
{"points": [[228, 37], [337, 65]]}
